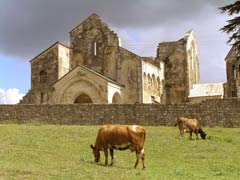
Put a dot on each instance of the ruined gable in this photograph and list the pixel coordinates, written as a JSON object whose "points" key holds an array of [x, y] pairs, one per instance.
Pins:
{"points": [[91, 41]]}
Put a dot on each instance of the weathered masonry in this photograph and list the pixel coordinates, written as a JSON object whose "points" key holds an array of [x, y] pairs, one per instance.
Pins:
{"points": [[221, 112], [232, 86], [94, 68]]}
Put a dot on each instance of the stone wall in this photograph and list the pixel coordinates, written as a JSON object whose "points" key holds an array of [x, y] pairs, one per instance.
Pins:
{"points": [[129, 75], [211, 113]]}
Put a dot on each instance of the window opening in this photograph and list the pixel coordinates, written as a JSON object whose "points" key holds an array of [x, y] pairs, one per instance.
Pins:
{"points": [[95, 48]]}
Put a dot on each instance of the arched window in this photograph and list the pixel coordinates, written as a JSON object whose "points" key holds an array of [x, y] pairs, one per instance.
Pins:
{"points": [[95, 48], [42, 97], [149, 80], [144, 80], [158, 84], [154, 81], [43, 77], [233, 71]]}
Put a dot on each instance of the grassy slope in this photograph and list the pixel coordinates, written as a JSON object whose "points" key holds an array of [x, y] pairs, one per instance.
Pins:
{"points": [[63, 152]]}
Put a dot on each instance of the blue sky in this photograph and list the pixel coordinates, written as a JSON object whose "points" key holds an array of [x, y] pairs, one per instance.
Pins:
{"points": [[14, 73]]}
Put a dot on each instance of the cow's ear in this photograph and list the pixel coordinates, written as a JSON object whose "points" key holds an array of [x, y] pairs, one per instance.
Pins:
{"points": [[92, 146]]}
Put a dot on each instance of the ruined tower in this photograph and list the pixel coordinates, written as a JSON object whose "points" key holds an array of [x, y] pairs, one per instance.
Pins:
{"points": [[181, 67]]}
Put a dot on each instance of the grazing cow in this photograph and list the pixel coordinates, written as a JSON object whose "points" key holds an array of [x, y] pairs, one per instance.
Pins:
{"points": [[120, 137], [190, 126]]}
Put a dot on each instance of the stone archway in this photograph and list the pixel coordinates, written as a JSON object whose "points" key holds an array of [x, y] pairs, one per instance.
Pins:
{"points": [[83, 98], [69, 92], [116, 98]]}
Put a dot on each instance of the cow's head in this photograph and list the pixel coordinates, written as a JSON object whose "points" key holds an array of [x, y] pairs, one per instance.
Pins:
{"points": [[203, 135], [96, 153]]}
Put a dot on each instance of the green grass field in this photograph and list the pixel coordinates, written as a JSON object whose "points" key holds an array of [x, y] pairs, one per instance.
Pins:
{"points": [[42, 152]]}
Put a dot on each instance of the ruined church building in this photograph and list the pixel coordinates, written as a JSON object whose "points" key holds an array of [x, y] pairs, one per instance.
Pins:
{"points": [[96, 69]]}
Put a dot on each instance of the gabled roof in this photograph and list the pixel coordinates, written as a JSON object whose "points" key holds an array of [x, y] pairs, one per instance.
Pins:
{"points": [[92, 72], [93, 15], [56, 43], [150, 60], [232, 53], [100, 75], [129, 52]]}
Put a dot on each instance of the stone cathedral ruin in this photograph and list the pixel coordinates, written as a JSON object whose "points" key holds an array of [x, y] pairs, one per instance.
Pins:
{"points": [[96, 69]]}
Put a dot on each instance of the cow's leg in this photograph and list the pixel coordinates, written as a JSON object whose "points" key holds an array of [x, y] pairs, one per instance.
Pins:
{"points": [[106, 156], [143, 158], [138, 157], [197, 133], [181, 132], [112, 156], [190, 135]]}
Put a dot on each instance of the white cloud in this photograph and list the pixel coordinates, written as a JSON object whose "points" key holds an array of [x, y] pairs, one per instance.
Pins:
{"points": [[10, 96]]}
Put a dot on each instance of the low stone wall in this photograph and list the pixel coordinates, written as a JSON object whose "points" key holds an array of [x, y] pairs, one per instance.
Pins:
{"points": [[221, 112]]}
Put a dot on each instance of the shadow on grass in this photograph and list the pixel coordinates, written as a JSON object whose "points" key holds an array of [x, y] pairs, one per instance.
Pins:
{"points": [[115, 166], [87, 161], [103, 165], [187, 138]]}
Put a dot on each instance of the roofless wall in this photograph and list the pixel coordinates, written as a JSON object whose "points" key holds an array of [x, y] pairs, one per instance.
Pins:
{"points": [[221, 112]]}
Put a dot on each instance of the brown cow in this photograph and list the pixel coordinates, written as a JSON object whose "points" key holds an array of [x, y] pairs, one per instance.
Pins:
{"points": [[190, 126], [120, 137]]}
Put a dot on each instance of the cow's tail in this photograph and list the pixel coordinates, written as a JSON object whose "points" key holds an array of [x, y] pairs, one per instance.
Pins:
{"points": [[143, 140]]}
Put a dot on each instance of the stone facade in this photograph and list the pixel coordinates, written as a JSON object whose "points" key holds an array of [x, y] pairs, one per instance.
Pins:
{"points": [[181, 67], [96, 69], [85, 83], [215, 112], [232, 87], [46, 69]]}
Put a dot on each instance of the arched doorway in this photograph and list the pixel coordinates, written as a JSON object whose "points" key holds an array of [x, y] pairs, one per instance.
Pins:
{"points": [[83, 98], [116, 98]]}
